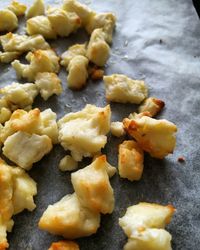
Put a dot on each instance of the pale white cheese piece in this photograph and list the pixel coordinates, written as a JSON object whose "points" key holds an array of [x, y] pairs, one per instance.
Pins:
{"points": [[157, 137], [120, 88], [92, 186], [84, 132], [8, 20], [29, 148], [63, 22], [48, 84], [19, 95], [98, 50], [69, 218], [83, 11], [78, 73], [106, 21], [36, 9], [144, 225], [22, 43], [67, 163], [7, 57], [17, 191], [18, 8], [48, 125], [117, 129], [40, 61], [24, 190], [151, 239], [74, 50], [40, 25]]}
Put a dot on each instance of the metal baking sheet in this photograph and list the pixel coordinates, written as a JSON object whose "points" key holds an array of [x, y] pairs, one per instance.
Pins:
{"points": [[157, 41]]}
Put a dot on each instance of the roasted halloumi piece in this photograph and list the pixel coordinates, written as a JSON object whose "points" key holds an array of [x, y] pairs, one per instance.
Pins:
{"points": [[130, 160], [157, 137], [8, 20], [48, 84], [69, 218], [120, 88], [144, 226], [40, 61], [84, 132], [92, 186]]}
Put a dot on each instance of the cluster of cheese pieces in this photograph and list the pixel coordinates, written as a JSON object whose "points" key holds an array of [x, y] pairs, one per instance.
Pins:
{"points": [[32, 135], [144, 225], [21, 96], [58, 21], [78, 214], [157, 137], [17, 191]]}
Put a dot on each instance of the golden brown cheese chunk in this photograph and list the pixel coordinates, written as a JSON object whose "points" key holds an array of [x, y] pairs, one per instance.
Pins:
{"points": [[69, 218], [130, 160], [64, 245], [98, 50], [8, 20], [40, 25], [78, 73], [62, 22], [74, 50], [22, 43], [106, 21], [84, 132], [152, 105], [157, 137], [48, 84], [92, 186], [80, 9], [120, 88], [17, 191], [40, 61], [29, 148], [17, 7], [32, 122], [21, 120], [37, 9], [144, 226]]}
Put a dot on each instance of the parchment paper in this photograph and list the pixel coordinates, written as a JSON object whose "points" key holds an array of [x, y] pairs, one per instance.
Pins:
{"points": [[157, 41]]}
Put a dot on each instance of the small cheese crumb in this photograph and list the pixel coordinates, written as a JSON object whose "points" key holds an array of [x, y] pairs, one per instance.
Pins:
{"points": [[48, 84], [67, 163], [117, 129]]}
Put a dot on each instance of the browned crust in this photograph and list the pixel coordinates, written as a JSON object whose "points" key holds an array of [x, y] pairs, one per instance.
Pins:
{"points": [[159, 103], [4, 245], [64, 245]]}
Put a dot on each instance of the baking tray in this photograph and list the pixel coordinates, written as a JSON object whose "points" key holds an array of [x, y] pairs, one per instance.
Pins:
{"points": [[157, 41]]}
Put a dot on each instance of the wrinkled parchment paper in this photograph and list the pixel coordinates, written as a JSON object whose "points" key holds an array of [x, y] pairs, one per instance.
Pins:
{"points": [[157, 41]]}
